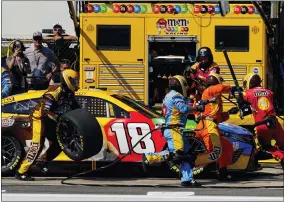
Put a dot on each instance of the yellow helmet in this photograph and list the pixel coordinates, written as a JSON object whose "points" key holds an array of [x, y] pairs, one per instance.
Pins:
{"points": [[179, 84], [69, 79], [251, 80], [3, 69], [214, 79]]}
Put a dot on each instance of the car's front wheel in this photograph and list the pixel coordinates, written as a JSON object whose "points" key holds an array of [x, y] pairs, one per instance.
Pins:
{"points": [[79, 134], [11, 153]]}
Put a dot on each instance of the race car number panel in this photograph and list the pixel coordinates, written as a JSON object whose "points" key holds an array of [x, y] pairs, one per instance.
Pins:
{"points": [[135, 131], [124, 134]]}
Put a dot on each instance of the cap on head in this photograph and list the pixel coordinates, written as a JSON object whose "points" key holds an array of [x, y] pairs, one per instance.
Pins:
{"points": [[37, 34], [57, 25]]}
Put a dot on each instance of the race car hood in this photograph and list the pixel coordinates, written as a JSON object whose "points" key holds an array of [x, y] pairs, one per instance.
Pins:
{"points": [[233, 129]]}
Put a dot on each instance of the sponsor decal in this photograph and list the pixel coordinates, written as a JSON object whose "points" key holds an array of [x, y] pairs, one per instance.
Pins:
{"points": [[32, 153], [255, 30], [260, 93], [90, 28], [8, 100], [89, 80], [80, 93], [173, 26], [7, 122], [255, 70], [263, 103]]}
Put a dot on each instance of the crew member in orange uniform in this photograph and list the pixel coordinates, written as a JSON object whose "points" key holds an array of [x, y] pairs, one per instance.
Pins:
{"points": [[218, 148], [261, 100]]}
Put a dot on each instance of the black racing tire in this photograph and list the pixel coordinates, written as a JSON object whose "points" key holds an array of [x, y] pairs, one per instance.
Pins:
{"points": [[196, 147], [12, 153], [79, 134]]}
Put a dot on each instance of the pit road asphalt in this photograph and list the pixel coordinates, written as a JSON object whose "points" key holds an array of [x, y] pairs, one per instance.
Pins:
{"points": [[266, 182]]}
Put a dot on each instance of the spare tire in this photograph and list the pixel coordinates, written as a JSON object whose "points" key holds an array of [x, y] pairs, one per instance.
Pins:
{"points": [[79, 134]]}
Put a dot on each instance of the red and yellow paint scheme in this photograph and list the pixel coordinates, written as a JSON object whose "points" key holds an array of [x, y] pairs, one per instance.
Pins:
{"points": [[123, 122]]}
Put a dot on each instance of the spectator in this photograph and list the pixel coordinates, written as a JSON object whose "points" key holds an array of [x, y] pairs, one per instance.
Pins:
{"points": [[40, 58], [19, 66], [55, 79], [58, 34], [61, 44]]}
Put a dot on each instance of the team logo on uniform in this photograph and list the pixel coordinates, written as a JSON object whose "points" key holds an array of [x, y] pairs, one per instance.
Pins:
{"points": [[263, 103]]}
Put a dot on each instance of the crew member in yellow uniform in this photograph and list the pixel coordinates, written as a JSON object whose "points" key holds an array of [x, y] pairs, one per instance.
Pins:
{"points": [[53, 103]]}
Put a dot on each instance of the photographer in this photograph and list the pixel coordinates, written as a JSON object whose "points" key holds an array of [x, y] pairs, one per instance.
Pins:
{"points": [[19, 66]]}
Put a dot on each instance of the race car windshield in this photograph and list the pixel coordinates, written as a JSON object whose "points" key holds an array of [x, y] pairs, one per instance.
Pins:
{"points": [[140, 107]]}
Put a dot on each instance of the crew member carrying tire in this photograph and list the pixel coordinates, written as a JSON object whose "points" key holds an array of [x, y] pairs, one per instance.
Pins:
{"points": [[218, 148], [48, 107], [261, 100], [175, 110]]}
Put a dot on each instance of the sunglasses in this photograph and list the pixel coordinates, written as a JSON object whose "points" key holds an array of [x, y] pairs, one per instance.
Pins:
{"points": [[57, 29], [37, 38]]}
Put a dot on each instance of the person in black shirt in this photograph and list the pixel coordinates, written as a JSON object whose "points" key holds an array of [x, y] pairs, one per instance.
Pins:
{"points": [[19, 66]]}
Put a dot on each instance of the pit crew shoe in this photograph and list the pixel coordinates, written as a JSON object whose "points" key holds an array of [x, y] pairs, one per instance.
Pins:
{"points": [[24, 177], [43, 167], [192, 183], [224, 175]]}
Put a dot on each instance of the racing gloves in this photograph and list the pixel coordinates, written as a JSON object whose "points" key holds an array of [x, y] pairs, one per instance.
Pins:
{"points": [[200, 108], [236, 89], [233, 110]]}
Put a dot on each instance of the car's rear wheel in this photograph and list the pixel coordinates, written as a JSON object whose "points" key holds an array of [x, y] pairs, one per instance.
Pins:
{"points": [[12, 153], [79, 134], [196, 147]]}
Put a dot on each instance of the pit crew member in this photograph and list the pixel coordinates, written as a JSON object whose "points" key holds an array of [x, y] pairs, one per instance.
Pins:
{"points": [[6, 83], [218, 148], [55, 101], [175, 109], [204, 66], [262, 102]]}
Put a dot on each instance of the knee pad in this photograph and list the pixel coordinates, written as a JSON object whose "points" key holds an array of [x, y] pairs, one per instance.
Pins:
{"points": [[215, 154]]}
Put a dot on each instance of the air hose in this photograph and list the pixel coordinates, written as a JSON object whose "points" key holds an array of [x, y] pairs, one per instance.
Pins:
{"points": [[160, 127]]}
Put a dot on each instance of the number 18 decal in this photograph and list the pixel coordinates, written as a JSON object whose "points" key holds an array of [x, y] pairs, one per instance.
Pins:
{"points": [[136, 131]]}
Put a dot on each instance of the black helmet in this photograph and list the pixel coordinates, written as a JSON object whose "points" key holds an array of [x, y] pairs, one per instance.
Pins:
{"points": [[204, 57]]}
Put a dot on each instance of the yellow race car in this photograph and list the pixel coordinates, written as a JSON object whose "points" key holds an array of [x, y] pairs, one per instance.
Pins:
{"points": [[105, 128]]}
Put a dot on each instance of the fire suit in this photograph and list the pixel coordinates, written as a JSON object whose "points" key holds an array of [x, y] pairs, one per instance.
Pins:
{"points": [[175, 110], [201, 77], [6, 84], [54, 101], [209, 133], [261, 100]]}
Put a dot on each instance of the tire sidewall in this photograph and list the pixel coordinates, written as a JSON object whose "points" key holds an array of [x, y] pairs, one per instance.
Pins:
{"points": [[19, 155]]}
